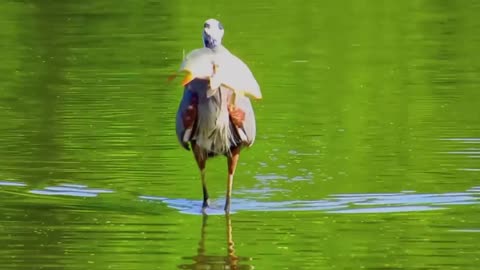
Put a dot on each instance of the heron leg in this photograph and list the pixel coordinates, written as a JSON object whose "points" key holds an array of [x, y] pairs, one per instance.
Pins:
{"points": [[201, 159], [232, 165]]}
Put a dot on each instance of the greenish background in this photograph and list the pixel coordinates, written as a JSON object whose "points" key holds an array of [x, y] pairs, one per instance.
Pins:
{"points": [[367, 153]]}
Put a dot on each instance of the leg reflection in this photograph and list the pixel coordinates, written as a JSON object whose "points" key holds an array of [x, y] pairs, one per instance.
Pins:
{"points": [[205, 261], [231, 259]]}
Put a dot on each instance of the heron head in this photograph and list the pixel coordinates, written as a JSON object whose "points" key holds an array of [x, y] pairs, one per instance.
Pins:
{"points": [[212, 33]]}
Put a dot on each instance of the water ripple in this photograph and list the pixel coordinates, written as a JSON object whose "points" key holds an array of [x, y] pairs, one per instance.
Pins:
{"points": [[348, 203], [392, 209], [70, 190], [337, 203], [463, 140], [12, 184]]}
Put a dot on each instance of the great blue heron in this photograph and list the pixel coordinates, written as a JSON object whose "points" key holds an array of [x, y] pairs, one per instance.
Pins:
{"points": [[215, 115]]}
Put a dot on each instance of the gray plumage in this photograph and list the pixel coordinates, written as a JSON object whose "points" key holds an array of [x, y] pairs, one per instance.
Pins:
{"points": [[213, 130]]}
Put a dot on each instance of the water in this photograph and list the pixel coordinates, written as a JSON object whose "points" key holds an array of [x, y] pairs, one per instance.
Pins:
{"points": [[367, 154]]}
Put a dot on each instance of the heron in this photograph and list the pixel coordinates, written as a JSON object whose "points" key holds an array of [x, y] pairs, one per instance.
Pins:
{"points": [[215, 116]]}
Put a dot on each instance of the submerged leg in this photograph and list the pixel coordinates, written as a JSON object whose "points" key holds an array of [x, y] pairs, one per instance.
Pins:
{"points": [[201, 159], [232, 165]]}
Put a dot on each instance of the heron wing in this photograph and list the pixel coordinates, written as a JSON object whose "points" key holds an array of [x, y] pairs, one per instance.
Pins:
{"points": [[249, 125], [199, 63], [184, 134], [235, 74]]}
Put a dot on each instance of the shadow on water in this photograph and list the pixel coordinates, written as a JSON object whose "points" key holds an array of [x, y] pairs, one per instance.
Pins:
{"points": [[204, 261]]}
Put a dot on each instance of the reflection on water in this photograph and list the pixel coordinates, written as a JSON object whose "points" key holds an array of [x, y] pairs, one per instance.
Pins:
{"points": [[204, 258]]}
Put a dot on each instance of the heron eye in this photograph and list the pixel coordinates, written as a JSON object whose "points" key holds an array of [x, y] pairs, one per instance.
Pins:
{"points": [[220, 26], [206, 25]]}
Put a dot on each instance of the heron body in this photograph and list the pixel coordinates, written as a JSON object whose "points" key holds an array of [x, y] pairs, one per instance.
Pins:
{"points": [[215, 115]]}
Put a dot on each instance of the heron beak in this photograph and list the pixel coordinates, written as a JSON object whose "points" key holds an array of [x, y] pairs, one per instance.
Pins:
{"points": [[188, 78]]}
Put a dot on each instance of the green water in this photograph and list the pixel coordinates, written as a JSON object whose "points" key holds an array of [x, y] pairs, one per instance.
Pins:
{"points": [[367, 153]]}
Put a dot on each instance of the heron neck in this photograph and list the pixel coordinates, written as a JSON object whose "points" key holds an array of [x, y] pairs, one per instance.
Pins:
{"points": [[218, 48]]}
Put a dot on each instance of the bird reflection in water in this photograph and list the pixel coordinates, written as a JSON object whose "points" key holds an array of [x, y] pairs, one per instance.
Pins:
{"points": [[204, 261]]}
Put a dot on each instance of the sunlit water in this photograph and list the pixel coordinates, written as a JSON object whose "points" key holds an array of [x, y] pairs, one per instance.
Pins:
{"points": [[367, 154]]}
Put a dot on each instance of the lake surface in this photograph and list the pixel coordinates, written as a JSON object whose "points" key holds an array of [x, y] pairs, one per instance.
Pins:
{"points": [[367, 153]]}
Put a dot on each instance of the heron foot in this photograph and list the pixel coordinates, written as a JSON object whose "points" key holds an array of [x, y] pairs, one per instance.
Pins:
{"points": [[206, 204]]}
